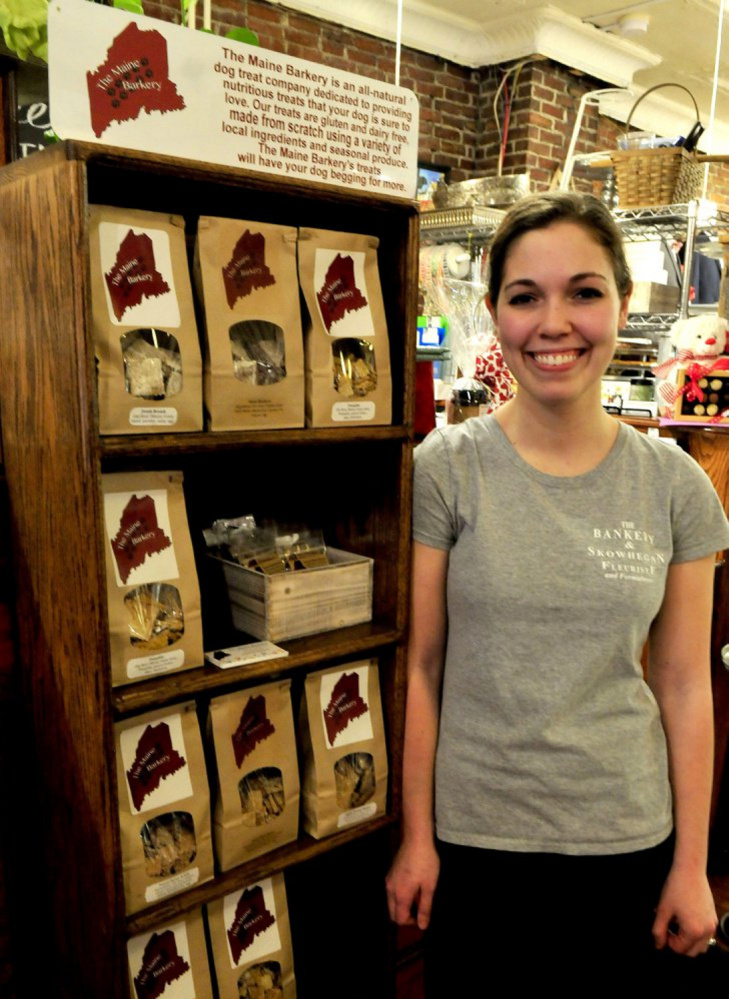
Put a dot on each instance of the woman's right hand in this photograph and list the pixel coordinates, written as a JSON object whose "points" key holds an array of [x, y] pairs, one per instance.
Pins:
{"points": [[411, 883], [412, 878]]}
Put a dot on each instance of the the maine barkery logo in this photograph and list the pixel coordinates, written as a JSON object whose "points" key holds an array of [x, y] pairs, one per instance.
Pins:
{"points": [[133, 78], [628, 553], [254, 727], [345, 704], [340, 293], [155, 760], [161, 966], [139, 535], [251, 919], [247, 269], [134, 275]]}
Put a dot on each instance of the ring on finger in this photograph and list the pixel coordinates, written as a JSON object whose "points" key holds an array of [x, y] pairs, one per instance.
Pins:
{"points": [[711, 942]]}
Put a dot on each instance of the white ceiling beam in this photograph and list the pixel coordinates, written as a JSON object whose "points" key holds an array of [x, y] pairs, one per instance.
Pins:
{"points": [[546, 31]]}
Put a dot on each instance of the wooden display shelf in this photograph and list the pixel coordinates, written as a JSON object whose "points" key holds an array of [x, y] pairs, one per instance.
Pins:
{"points": [[359, 640], [355, 485], [303, 849], [201, 442]]}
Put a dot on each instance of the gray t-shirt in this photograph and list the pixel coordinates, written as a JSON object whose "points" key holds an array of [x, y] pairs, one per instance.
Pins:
{"points": [[550, 740]]}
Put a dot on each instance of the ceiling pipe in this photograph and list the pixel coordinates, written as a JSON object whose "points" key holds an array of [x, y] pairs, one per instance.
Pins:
{"points": [[398, 42], [592, 97]]}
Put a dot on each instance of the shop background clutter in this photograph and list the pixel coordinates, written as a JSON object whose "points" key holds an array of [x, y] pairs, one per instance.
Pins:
{"points": [[457, 123]]}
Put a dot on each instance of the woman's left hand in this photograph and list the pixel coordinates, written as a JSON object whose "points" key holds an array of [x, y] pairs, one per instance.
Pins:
{"points": [[686, 918]]}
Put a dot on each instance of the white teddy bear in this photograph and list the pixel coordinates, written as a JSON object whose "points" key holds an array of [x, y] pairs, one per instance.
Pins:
{"points": [[700, 342]]}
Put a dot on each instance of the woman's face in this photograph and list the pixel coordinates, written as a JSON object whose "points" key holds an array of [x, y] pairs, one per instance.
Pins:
{"points": [[558, 313]]}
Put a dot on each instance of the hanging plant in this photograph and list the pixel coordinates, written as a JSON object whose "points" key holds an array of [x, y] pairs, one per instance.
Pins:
{"points": [[131, 6], [24, 24], [187, 12], [243, 35]]}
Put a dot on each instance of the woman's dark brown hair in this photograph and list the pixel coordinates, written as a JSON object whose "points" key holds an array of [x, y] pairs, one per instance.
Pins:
{"points": [[538, 211]]}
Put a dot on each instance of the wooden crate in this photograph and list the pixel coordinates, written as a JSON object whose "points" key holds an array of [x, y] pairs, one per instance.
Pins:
{"points": [[647, 296], [305, 602]]}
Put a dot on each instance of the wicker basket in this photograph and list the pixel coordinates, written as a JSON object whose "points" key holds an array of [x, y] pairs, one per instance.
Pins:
{"points": [[663, 176]]}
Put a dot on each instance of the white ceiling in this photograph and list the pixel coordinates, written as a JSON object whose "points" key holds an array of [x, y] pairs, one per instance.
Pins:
{"points": [[679, 46]]}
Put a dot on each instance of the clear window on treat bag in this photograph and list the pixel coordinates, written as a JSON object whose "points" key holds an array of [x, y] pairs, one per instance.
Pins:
{"points": [[262, 795], [354, 777], [152, 363], [169, 844], [354, 367], [260, 981], [156, 617], [259, 352]]}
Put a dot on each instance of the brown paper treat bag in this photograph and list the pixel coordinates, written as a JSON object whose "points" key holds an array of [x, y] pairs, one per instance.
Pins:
{"points": [[151, 579], [246, 279], [145, 334], [164, 805], [345, 758], [250, 939], [348, 377], [257, 802], [170, 961]]}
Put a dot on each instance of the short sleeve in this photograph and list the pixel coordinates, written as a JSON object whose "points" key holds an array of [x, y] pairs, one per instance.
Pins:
{"points": [[434, 501], [700, 524]]}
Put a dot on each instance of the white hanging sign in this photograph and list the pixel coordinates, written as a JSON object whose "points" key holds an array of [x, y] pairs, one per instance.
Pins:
{"points": [[141, 83]]}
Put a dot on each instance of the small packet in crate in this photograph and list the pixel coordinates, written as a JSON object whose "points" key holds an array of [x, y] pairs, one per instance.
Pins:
{"points": [[344, 781], [257, 804], [250, 939]]}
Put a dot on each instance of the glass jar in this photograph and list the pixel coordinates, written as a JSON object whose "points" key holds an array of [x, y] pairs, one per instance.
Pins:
{"points": [[468, 399]]}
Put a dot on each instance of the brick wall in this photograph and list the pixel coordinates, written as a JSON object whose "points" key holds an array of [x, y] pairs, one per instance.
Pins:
{"points": [[545, 105]]}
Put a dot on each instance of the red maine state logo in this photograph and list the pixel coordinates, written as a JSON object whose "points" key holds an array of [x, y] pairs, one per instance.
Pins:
{"points": [[155, 759], [247, 269], [253, 728], [133, 78], [344, 705], [133, 276], [339, 293], [139, 535], [161, 966], [251, 919]]}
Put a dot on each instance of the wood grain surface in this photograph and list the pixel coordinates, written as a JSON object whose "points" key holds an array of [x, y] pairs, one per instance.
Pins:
{"points": [[355, 483], [51, 463]]}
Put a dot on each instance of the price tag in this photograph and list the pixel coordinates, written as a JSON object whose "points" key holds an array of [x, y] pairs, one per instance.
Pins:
{"points": [[242, 655]]}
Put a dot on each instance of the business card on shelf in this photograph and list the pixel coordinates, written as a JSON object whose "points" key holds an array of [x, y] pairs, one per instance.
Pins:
{"points": [[243, 655]]}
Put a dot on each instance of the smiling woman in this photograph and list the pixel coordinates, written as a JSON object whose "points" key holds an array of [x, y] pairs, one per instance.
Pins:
{"points": [[558, 314], [559, 288], [550, 541]]}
